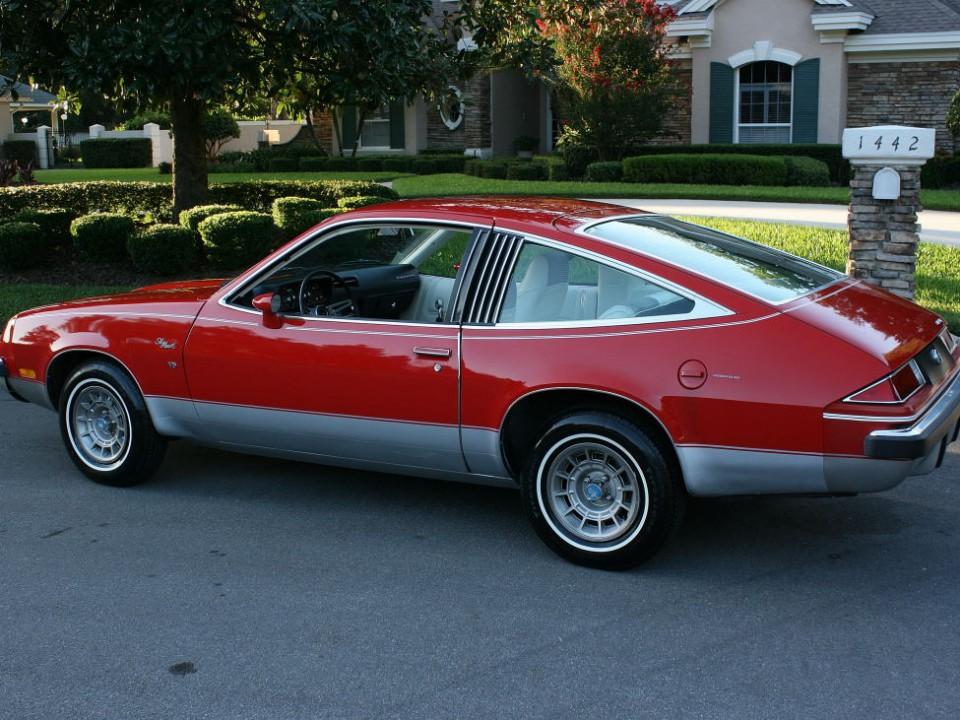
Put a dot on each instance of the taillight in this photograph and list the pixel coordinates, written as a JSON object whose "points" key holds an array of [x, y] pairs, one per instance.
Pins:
{"points": [[895, 388]]}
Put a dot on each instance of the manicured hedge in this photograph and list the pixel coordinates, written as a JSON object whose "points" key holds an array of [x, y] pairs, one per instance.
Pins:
{"points": [[369, 164], [163, 249], [341, 164], [116, 152], [54, 224], [358, 201], [237, 240], [283, 164], [559, 172], [706, 169], [102, 237], [155, 200], [22, 246], [527, 171], [807, 171], [832, 155], [191, 218], [609, 171], [23, 151], [313, 164], [941, 172], [294, 215]]}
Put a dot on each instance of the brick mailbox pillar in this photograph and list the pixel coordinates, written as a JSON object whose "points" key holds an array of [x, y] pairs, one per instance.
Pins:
{"points": [[885, 202]]}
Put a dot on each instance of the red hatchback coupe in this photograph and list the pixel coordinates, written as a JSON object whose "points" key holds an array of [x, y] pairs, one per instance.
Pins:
{"points": [[608, 362]]}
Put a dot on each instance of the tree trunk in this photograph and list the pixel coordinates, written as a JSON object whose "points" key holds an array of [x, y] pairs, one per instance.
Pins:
{"points": [[189, 154]]}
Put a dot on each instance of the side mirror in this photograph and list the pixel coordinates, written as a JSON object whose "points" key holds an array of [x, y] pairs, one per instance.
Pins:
{"points": [[269, 304]]}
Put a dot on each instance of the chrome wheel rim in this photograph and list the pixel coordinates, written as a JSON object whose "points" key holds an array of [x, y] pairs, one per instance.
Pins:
{"points": [[99, 425], [595, 491]]}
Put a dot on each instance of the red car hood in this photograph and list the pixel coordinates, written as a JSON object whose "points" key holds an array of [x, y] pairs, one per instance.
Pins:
{"points": [[883, 325], [180, 297]]}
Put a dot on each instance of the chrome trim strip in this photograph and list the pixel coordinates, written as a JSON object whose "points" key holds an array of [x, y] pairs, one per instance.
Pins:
{"points": [[444, 353], [496, 276], [900, 419], [933, 414], [504, 280], [493, 251], [85, 312]]}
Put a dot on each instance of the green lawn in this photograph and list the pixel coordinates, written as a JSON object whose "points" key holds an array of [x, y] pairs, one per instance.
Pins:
{"points": [[152, 175], [455, 184], [938, 272]]}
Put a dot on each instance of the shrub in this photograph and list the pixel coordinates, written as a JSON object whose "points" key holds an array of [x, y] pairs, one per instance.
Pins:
{"points": [[493, 169], [232, 167], [358, 201], [163, 249], [137, 122], [154, 199], [102, 237], [472, 167], [293, 215], [258, 195], [370, 164], [54, 224], [941, 172], [236, 240], [525, 143], [559, 172], [313, 164], [191, 218], [116, 152], [807, 171], [611, 171], [832, 155], [22, 245], [342, 164], [282, 164], [398, 164], [706, 169], [527, 171], [165, 168], [23, 151]]}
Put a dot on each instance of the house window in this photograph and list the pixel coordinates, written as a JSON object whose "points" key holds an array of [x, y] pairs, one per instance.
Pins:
{"points": [[376, 129], [765, 95]]}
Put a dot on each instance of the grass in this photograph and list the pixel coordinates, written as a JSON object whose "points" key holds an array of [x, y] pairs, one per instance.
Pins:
{"points": [[938, 267], [456, 184], [152, 175]]}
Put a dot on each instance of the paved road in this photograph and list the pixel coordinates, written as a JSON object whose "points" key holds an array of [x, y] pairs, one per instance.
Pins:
{"points": [[232, 587], [936, 226]]}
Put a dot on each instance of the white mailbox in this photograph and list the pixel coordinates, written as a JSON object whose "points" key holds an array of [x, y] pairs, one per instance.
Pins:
{"points": [[889, 145], [886, 184]]}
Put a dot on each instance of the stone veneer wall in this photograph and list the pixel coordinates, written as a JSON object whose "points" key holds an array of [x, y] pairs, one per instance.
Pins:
{"points": [[884, 233], [904, 93], [476, 120], [439, 136], [677, 124]]}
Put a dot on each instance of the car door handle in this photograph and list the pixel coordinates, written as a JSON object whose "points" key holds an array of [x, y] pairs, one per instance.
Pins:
{"points": [[433, 352]]}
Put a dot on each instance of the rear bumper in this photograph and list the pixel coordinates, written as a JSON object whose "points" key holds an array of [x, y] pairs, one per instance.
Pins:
{"points": [[927, 437]]}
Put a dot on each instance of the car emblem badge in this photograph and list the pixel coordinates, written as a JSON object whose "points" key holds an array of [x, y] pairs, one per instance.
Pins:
{"points": [[593, 491], [164, 344]]}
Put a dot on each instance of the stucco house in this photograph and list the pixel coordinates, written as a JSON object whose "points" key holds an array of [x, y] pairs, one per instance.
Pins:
{"points": [[28, 99], [795, 71]]}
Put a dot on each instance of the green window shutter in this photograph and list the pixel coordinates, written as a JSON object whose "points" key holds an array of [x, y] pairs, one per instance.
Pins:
{"points": [[398, 133], [806, 100], [721, 103], [349, 127]]}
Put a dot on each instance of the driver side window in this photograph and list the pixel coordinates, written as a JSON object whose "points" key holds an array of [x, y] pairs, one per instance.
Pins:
{"points": [[376, 272]]}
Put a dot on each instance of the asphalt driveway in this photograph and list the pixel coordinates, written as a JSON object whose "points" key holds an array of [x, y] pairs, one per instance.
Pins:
{"points": [[236, 587]]}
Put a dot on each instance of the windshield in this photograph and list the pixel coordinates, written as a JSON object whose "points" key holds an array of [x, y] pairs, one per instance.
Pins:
{"points": [[758, 270]]}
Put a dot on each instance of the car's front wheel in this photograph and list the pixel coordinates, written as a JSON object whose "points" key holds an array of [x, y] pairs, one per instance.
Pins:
{"points": [[600, 491], [106, 427]]}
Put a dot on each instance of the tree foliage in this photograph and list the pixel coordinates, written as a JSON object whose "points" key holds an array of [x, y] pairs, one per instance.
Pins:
{"points": [[607, 61], [219, 126], [953, 116]]}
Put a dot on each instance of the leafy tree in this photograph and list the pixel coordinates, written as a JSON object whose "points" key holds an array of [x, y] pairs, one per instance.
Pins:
{"points": [[136, 122], [183, 54], [953, 116], [219, 126], [607, 61], [382, 51]]}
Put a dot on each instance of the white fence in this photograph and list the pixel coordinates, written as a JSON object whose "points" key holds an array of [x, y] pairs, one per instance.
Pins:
{"points": [[252, 134]]}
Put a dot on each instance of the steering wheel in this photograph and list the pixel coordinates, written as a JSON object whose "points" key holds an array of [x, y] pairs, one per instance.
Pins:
{"points": [[323, 306]]}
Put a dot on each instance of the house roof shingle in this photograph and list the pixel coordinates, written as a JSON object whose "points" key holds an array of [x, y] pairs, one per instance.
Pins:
{"points": [[25, 92]]}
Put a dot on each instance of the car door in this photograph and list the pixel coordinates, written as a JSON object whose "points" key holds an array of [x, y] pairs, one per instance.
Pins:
{"points": [[379, 389]]}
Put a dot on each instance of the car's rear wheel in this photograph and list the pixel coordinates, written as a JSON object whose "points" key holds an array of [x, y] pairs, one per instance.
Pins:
{"points": [[600, 491], [106, 427]]}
